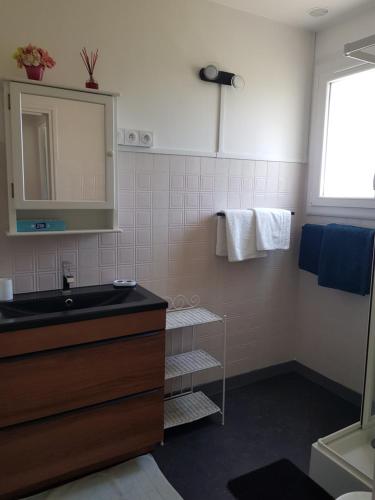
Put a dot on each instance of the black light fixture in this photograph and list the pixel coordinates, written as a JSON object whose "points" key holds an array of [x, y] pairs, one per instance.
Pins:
{"points": [[211, 74]]}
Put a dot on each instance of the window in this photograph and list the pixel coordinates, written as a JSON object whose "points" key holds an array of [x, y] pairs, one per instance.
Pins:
{"points": [[343, 142], [349, 156]]}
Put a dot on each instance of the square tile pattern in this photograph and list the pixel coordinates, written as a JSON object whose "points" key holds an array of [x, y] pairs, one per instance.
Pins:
{"points": [[166, 210]]}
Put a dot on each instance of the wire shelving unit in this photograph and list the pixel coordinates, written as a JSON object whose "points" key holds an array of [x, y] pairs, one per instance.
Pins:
{"points": [[189, 405]]}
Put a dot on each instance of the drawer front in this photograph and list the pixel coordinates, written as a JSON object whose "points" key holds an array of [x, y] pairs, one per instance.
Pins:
{"points": [[40, 454], [79, 332], [48, 383]]}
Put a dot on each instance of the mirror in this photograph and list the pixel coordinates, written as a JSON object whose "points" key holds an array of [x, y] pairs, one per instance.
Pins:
{"points": [[63, 149]]}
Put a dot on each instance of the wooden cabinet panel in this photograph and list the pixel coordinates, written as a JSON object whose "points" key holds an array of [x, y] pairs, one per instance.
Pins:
{"points": [[30, 340], [40, 454], [51, 382]]}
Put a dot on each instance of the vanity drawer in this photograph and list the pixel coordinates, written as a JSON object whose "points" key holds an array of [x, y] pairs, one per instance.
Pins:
{"points": [[40, 454], [14, 343], [51, 382]]}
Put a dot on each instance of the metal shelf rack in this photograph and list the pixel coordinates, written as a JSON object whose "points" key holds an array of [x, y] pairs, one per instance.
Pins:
{"points": [[184, 409], [189, 362], [187, 406]]}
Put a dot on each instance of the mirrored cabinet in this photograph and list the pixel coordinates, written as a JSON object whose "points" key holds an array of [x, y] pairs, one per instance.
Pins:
{"points": [[61, 159]]}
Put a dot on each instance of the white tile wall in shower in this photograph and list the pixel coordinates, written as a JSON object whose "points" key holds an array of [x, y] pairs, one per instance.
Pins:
{"points": [[167, 207]]}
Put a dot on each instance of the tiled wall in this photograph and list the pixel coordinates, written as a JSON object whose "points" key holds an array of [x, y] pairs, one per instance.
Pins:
{"points": [[166, 207]]}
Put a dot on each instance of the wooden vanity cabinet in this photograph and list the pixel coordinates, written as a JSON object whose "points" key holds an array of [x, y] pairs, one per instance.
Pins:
{"points": [[78, 397]]}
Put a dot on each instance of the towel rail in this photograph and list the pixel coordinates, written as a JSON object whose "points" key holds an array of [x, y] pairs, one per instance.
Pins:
{"points": [[222, 214]]}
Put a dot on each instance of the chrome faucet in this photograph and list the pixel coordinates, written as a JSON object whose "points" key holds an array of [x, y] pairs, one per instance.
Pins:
{"points": [[68, 277]]}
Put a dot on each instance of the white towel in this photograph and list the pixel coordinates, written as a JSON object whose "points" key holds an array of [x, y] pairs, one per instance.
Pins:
{"points": [[272, 228], [236, 236]]}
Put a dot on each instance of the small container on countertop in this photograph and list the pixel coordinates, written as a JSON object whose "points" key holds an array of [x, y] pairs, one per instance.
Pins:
{"points": [[124, 283], [6, 289]]}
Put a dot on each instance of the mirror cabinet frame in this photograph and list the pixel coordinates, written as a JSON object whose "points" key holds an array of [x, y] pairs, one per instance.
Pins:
{"points": [[18, 205]]}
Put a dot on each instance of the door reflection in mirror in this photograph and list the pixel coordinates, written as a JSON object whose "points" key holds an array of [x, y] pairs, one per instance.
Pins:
{"points": [[36, 156], [63, 143]]}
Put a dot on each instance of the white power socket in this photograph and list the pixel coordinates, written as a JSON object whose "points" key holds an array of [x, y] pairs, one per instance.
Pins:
{"points": [[146, 139], [131, 137]]}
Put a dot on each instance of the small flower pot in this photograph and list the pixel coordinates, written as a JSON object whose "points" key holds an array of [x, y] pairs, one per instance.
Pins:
{"points": [[35, 72]]}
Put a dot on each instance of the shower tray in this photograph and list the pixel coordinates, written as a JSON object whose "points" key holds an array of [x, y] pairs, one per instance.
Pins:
{"points": [[344, 461]]}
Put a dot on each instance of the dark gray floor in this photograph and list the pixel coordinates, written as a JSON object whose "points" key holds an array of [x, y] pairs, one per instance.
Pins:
{"points": [[265, 421]]}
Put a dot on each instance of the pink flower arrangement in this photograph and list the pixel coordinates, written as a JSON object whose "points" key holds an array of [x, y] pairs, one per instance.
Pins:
{"points": [[33, 56]]}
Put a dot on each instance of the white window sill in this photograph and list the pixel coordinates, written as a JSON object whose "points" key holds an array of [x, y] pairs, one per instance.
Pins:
{"points": [[341, 212]]}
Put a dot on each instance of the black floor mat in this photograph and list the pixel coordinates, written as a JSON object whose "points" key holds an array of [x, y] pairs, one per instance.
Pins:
{"points": [[280, 480]]}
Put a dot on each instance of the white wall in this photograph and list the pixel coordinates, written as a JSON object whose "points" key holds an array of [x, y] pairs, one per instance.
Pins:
{"points": [[151, 51], [332, 325]]}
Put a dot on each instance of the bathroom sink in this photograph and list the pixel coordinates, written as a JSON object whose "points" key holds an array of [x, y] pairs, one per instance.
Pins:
{"points": [[68, 302], [29, 310]]}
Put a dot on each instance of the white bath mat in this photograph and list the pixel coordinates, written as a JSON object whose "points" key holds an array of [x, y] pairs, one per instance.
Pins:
{"points": [[137, 479]]}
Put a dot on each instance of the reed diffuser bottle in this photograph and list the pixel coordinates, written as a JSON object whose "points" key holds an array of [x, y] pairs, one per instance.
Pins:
{"points": [[90, 62]]}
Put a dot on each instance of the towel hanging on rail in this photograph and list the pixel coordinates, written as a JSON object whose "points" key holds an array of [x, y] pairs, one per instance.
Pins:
{"points": [[247, 234], [236, 236], [272, 228], [310, 246], [341, 256], [346, 258]]}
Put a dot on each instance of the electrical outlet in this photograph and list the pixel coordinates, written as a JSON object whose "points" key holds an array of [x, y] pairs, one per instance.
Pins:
{"points": [[146, 139], [120, 136], [131, 137]]}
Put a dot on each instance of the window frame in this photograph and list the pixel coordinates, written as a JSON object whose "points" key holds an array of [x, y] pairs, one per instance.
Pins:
{"points": [[316, 204]]}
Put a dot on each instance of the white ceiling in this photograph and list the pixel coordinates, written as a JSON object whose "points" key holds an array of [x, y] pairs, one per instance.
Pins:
{"points": [[296, 12]]}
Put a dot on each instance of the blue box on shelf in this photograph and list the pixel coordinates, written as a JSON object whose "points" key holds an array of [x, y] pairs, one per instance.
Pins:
{"points": [[35, 226]]}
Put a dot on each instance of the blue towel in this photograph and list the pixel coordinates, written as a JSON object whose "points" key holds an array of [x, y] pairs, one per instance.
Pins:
{"points": [[309, 252], [346, 258]]}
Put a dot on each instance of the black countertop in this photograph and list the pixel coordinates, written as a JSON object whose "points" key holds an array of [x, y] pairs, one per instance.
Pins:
{"points": [[111, 301]]}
